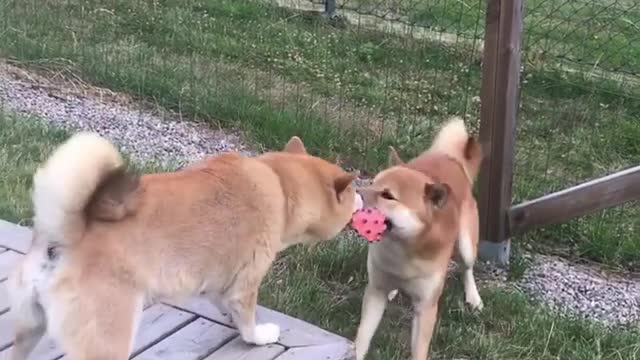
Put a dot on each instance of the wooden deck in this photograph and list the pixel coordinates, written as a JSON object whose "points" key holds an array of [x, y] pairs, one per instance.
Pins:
{"points": [[193, 330]]}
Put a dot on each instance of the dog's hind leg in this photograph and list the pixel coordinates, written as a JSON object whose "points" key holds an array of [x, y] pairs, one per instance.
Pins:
{"points": [[467, 248], [99, 323], [28, 315], [30, 322]]}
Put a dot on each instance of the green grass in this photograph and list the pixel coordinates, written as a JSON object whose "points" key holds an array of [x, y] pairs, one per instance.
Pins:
{"points": [[325, 285], [24, 143], [348, 92], [581, 31]]}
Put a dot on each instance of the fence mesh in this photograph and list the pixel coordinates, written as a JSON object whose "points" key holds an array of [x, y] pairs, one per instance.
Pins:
{"points": [[580, 115]]}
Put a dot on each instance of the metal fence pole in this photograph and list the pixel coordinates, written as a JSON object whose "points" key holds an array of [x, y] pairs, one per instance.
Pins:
{"points": [[330, 8]]}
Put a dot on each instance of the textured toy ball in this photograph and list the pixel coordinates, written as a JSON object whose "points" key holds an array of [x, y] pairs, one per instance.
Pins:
{"points": [[369, 223]]}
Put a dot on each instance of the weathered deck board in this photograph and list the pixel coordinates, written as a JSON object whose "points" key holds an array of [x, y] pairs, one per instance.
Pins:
{"points": [[293, 332], [15, 237], [297, 333], [204, 308], [238, 350], [336, 351], [6, 330], [4, 297], [201, 337], [8, 261], [47, 349], [193, 330], [158, 322]]}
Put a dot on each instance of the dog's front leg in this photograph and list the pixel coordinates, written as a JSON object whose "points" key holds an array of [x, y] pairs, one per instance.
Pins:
{"points": [[243, 312], [373, 305], [425, 303], [424, 322], [241, 298]]}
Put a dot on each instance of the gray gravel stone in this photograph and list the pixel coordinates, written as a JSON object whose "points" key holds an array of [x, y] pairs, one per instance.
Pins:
{"points": [[143, 134], [583, 290]]}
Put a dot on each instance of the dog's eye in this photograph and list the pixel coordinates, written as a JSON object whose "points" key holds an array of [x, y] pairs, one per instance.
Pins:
{"points": [[386, 194]]}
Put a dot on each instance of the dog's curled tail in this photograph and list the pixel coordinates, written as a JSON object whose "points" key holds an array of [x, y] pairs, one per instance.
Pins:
{"points": [[65, 184], [454, 140]]}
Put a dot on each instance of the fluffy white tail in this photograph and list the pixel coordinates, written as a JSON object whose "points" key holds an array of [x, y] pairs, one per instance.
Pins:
{"points": [[454, 140], [64, 185], [451, 138]]}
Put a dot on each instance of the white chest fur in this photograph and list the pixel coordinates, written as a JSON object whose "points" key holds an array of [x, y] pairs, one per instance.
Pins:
{"points": [[392, 267]]}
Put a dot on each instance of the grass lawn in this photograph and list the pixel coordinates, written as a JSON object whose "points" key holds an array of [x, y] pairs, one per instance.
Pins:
{"points": [[348, 92], [324, 286], [580, 31]]}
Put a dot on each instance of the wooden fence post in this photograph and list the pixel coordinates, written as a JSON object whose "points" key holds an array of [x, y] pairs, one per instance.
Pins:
{"points": [[499, 108]]}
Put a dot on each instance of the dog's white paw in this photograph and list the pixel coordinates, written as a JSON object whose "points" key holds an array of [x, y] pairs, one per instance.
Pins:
{"points": [[266, 334], [474, 301], [359, 353]]}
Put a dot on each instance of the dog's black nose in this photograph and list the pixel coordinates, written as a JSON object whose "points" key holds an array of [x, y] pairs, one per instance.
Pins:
{"points": [[388, 223]]}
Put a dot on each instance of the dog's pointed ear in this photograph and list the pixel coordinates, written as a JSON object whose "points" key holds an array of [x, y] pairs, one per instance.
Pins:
{"points": [[394, 158], [295, 146], [343, 181], [436, 194]]}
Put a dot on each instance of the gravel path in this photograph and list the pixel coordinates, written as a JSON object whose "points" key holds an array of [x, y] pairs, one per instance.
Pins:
{"points": [[144, 134], [159, 136], [584, 290]]}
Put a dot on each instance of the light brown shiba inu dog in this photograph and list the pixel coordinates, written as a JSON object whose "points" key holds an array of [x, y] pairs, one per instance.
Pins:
{"points": [[430, 212], [105, 241]]}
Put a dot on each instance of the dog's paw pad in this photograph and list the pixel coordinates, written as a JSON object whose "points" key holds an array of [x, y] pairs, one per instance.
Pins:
{"points": [[266, 334]]}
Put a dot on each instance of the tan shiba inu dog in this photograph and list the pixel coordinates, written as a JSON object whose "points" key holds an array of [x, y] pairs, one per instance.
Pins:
{"points": [[105, 241], [430, 213]]}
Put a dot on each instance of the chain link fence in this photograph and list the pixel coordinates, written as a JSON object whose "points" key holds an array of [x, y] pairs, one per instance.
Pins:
{"points": [[580, 116], [408, 75]]}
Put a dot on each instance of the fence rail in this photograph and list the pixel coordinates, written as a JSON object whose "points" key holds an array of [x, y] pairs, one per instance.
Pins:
{"points": [[609, 191]]}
